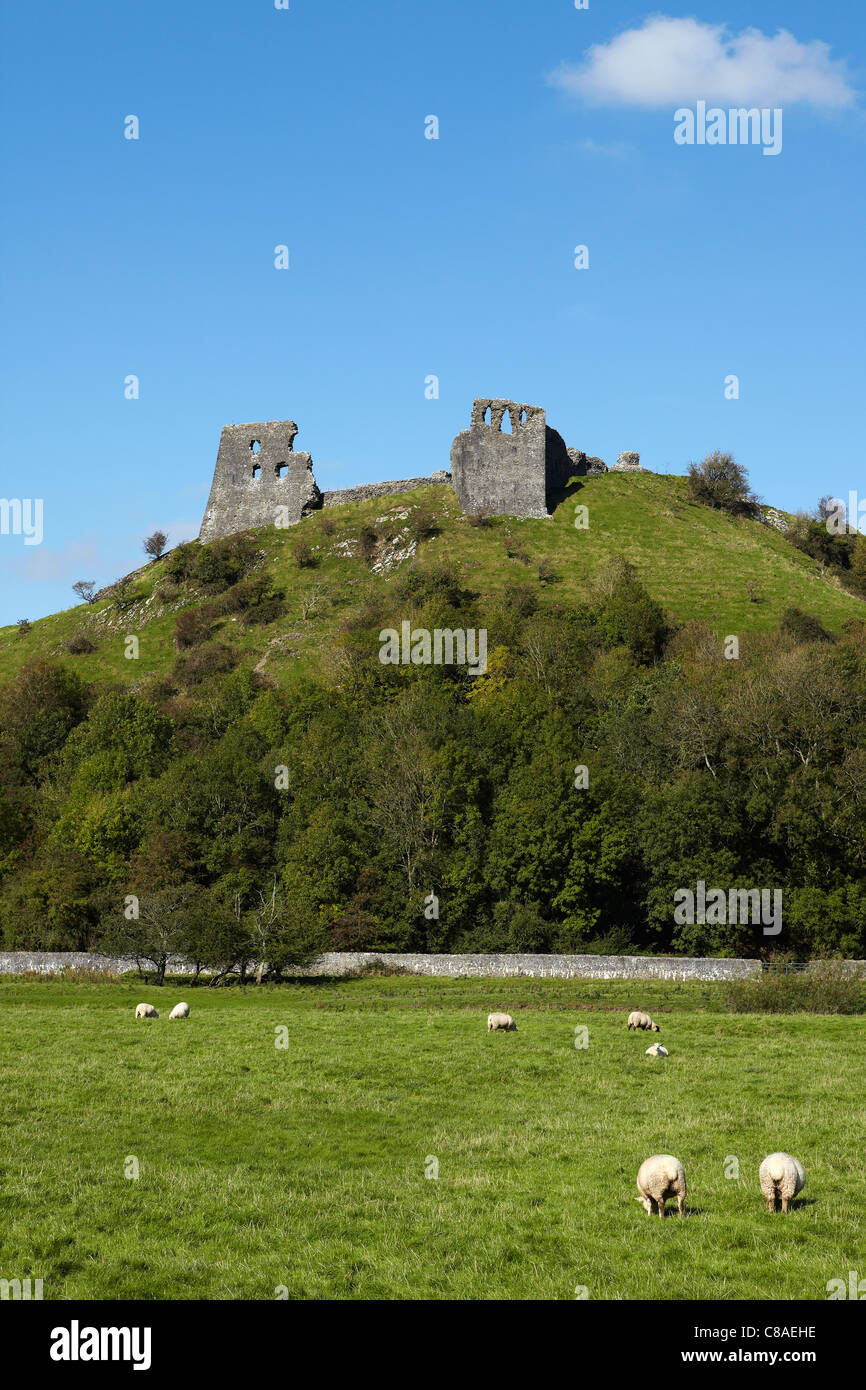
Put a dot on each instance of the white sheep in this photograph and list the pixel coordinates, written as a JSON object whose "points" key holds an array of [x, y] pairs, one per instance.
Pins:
{"points": [[145, 1011], [504, 1021], [180, 1011], [658, 1178], [781, 1176], [639, 1020], [656, 1050]]}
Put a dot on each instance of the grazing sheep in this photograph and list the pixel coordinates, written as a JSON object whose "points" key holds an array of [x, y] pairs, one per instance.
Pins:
{"points": [[180, 1011], [639, 1020], [145, 1011], [504, 1021], [781, 1176], [658, 1178], [656, 1050]]}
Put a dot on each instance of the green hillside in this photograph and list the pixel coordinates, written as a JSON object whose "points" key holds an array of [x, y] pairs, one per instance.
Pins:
{"points": [[736, 575]]}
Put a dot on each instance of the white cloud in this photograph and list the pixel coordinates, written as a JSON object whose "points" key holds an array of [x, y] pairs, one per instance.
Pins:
{"points": [[605, 149], [684, 60]]}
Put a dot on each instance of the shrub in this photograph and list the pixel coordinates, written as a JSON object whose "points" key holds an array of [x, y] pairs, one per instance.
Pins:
{"points": [[265, 612], [214, 659], [520, 599], [245, 595], [224, 562], [804, 627], [79, 644], [719, 481], [546, 573], [168, 591], [481, 517], [303, 555], [192, 627], [181, 563], [421, 584], [827, 987], [422, 525], [514, 550], [25, 627]]}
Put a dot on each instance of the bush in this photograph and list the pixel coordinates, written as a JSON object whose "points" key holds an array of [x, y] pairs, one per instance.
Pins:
{"points": [[214, 659], [80, 644], [303, 555], [520, 599], [804, 627], [181, 563], [245, 595], [168, 591], [422, 584], [422, 525], [265, 612], [514, 550], [192, 627], [719, 481], [481, 517], [826, 987], [224, 562]]}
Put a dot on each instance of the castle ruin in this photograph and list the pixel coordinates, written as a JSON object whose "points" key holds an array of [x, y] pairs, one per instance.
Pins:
{"points": [[508, 463]]}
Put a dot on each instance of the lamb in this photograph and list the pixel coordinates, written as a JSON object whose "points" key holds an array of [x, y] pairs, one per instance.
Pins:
{"points": [[781, 1176], [658, 1178], [180, 1011], [504, 1021], [145, 1011], [656, 1050], [639, 1020]]}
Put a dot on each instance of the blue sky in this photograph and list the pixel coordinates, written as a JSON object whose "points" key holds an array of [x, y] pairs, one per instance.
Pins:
{"points": [[411, 257]]}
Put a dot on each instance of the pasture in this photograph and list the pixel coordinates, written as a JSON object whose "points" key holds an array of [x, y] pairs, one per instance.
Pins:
{"points": [[302, 1167]]}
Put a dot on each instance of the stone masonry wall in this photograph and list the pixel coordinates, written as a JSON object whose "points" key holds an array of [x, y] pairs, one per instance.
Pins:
{"points": [[257, 473], [508, 472], [341, 496], [491, 967], [479, 966]]}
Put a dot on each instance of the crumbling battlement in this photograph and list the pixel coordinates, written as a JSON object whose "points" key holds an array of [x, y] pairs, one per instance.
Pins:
{"points": [[509, 471], [259, 480]]}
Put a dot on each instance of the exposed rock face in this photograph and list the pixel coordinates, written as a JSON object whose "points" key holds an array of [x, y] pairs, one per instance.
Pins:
{"points": [[628, 463], [259, 480], [773, 517], [508, 471]]}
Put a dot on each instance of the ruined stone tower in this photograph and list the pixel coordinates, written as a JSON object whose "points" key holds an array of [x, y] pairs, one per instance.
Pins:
{"points": [[259, 480], [509, 462]]}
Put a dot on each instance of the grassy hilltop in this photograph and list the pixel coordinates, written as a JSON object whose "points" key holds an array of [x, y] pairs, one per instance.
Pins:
{"points": [[736, 575]]}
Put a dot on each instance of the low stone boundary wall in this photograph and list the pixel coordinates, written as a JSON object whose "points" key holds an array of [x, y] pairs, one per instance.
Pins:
{"points": [[456, 967], [543, 967]]}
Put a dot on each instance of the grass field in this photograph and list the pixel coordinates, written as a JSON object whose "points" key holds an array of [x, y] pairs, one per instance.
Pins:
{"points": [[303, 1168]]}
